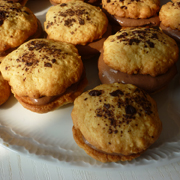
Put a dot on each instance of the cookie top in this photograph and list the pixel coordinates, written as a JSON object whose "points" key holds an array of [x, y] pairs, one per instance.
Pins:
{"points": [[5, 90], [17, 23], [169, 15], [42, 67], [117, 118], [75, 22], [132, 8], [140, 51]]}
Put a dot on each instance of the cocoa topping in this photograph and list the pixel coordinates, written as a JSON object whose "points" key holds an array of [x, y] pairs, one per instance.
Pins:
{"points": [[95, 92], [130, 110], [47, 65], [116, 93]]}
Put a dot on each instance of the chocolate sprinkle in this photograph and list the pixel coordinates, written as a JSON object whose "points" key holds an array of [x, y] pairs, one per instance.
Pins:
{"points": [[95, 93], [130, 110], [116, 93]]}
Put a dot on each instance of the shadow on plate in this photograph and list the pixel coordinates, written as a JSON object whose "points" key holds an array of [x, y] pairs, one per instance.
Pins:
{"points": [[38, 6], [9, 103]]}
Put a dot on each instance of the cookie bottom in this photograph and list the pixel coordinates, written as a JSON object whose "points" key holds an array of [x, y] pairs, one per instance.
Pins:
{"points": [[5, 90], [100, 156], [66, 98]]}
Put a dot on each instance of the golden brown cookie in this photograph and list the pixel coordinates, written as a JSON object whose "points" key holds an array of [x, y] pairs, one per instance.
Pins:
{"points": [[145, 57], [5, 90], [17, 24], [75, 22], [140, 51], [115, 122], [132, 13], [44, 74], [170, 22]]}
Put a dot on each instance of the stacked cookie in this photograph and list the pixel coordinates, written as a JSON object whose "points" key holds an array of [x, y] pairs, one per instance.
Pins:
{"points": [[132, 13], [144, 57], [17, 25], [44, 74], [79, 23], [170, 21], [118, 122]]}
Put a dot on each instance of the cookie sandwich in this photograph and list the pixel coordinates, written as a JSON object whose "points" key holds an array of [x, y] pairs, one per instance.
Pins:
{"points": [[115, 122], [5, 90], [170, 22], [78, 23], [145, 57], [17, 25], [132, 13], [44, 74]]}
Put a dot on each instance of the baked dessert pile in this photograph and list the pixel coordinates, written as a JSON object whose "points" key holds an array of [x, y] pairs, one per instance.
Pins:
{"points": [[43, 66]]}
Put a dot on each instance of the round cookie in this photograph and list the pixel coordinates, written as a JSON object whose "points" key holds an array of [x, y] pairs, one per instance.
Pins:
{"points": [[17, 24], [44, 74], [115, 122], [144, 57], [75, 22], [5, 90], [132, 12], [169, 15]]}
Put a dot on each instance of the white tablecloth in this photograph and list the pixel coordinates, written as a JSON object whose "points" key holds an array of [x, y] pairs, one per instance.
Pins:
{"points": [[16, 167]]}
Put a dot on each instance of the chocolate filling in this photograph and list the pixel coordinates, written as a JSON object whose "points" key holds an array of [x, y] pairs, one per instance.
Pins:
{"points": [[127, 22], [150, 84], [48, 99], [93, 147], [93, 2], [174, 33], [93, 48]]}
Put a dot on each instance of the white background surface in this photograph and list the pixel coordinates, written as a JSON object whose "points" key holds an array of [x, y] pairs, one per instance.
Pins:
{"points": [[15, 166]]}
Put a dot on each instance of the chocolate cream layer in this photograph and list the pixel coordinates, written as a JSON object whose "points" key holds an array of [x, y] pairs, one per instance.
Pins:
{"points": [[174, 33], [107, 75], [93, 2], [93, 48], [128, 22], [48, 99], [93, 147]]}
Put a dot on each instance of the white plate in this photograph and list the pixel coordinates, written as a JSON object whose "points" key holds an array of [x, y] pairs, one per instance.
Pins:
{"points": [[49, 136]]}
